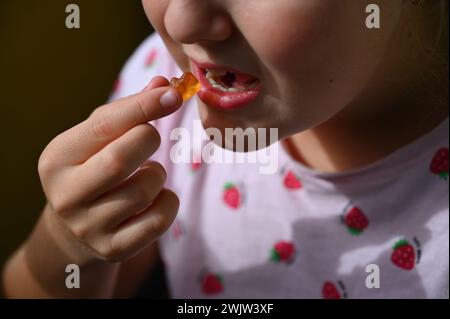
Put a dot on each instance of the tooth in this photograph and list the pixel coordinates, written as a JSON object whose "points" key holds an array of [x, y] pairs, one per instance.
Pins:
{"points": [[212, 81], [225, 89], [210, 76]]}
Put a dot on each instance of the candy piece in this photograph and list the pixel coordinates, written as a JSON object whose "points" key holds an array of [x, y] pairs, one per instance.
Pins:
{"points": [[187, 85]]}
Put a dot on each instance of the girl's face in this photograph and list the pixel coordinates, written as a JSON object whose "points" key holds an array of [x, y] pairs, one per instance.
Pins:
{"points": [[313, 58]]}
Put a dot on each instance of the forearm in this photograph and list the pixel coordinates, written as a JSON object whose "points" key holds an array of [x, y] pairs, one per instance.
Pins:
{"points": [[38, 268]]}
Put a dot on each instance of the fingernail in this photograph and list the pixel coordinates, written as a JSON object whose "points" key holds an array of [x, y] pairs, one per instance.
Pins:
{"points": [[168, 99]]}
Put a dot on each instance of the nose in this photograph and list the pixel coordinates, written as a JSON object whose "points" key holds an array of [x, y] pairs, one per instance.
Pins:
{"points": [[191, 21]]}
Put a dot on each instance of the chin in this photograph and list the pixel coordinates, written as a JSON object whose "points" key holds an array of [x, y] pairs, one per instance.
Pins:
{"points": [[252, 138]]}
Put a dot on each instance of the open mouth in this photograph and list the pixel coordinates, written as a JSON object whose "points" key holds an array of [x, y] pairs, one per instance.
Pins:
{"points": [[230, 82], [225, 87]]}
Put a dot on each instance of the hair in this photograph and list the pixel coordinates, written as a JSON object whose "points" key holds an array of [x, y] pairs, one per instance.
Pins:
{"points": [[426, 36], [429, 35]]}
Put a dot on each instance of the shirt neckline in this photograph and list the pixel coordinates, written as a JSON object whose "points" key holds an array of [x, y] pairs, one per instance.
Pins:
{"points": [[386, 168]]}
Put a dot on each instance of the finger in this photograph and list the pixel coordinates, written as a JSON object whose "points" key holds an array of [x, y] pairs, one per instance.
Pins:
{"points": [[117, 161], [143, 229], [129, 198], [157, 81], [111, 121]]}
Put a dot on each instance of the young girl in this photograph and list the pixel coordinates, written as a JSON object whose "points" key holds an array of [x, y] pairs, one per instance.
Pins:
{"points": [[358, 204]]}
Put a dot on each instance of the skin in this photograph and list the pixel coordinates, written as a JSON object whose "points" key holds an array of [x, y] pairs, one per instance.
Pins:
{"points": [[329, 85], [326, 77]]}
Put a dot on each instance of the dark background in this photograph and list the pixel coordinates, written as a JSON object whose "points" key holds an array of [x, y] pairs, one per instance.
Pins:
{"points": [[51, 79]]}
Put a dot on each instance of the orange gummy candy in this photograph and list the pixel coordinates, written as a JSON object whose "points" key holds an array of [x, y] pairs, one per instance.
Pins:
{"points": [[187, 85]]}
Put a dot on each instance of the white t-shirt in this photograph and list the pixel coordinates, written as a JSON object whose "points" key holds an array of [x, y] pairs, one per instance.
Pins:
{"points": [[300, 233]]}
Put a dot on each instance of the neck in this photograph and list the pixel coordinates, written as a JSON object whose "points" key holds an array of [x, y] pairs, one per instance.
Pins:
{"points": [[342, 144]]}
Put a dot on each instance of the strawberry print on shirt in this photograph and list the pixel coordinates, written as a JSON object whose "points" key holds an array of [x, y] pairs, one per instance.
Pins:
{"points": [[232, 196], [355, 220], [332, 291], [291, 181], [212, 284], [405, 255], [283, 251], [439, 163], [151, 58]]}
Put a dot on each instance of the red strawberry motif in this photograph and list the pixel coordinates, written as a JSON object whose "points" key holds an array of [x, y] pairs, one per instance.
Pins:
{"points": [[212, 284], [195, 166], [232, 196], [330, 291], [403, 255], [150, 59], [356, 221], [291, 181], [283, 251], [177, 230], [197, 163], [439, 163]]}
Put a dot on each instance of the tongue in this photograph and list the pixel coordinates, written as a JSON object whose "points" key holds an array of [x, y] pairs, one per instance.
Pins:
{"points": [[227, 80], [244, 78], [236, 80]]}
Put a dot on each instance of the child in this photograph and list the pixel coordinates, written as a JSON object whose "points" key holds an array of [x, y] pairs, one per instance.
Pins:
{"points": [[356, 208]]}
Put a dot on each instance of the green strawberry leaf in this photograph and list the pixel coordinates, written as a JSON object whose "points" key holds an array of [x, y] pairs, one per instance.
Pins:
{"points": [[229, 185], [443, 175], [274, 256], [400, 243], [354, 231]]}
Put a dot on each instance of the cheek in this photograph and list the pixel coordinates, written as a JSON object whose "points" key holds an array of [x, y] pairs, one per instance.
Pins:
{"points": [[325, 53], [290, 43], [320, 61], [304, 26]]}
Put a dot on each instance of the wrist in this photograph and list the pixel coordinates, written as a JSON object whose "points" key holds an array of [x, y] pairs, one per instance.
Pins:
{"points": [[60, 236]]}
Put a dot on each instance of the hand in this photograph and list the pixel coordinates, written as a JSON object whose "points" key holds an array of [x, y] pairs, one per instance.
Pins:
{"points": [[98, 182]]}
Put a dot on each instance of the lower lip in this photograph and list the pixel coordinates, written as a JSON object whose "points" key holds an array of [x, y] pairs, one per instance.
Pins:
{"points": [[218, 98]]}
